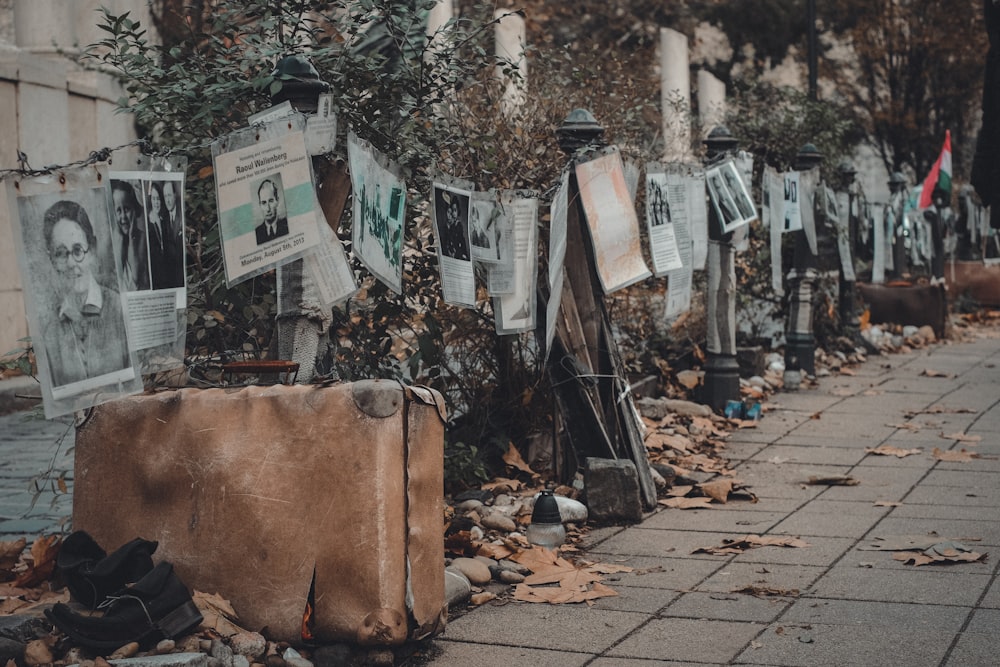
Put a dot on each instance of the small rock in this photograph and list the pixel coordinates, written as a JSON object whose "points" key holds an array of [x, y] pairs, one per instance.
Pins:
{"points": [[571, 510], [126, 651], [474, 516], [222, 652], [457, 588], [510, 566], [477, 533], [510, 577], [101, 661], [165, 646], [249, 644], [471, 505], [758, 381], [37, 652], [74, 656], [497, 521], [90, 663], [274, 661], [502, 500], [293, 658], [216, 662], [475, 571], [487, 561], [909, 331], [205, 646], [241, 661], [658, 479], [927, 333]]}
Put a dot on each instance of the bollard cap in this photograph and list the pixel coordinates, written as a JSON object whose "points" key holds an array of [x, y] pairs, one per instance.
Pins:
{"points": [[546, 509]]}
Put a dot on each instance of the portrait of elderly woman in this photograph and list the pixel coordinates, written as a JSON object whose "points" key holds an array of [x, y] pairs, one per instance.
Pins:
{"points": [[83, 329]]}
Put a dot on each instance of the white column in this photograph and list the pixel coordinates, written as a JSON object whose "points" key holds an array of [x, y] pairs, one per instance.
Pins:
{"points": [[40, 26], [711, 101], [675, 95], [510, 39], [438, 17]]}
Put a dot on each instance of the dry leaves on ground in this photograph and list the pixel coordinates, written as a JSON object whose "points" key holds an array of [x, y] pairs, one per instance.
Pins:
{"points": [[218, 614], [766, 591], [961, 437], [911, 542], [719, 490], [928, 372], [740, 544], [953, 456], [889, 450], [942, 553], [575, 583]]}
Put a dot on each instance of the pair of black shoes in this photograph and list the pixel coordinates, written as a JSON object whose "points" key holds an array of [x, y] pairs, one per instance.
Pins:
{"points": [[141, 602]]}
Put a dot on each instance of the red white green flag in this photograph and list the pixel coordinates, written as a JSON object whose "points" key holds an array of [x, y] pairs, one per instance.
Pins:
{"points": [[940, 174]]}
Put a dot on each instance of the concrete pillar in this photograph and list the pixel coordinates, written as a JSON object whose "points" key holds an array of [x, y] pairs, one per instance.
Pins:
{"points": [[675, 95], [711, 101], [510, 38], [42, 25], [439, 16]]}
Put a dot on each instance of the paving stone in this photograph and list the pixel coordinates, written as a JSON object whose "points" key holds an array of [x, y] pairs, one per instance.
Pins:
{"points": [[822, 552], [987, 530], [447, 652], [566, 627], [975, 648], [832, 518], [641, 541], [921, 585], [634, 598], [669, 574], [727, 607], [943, 495], [838, 645], [721, 519], [889, 614], [688, 639], [810, 454], [739, 576], [862, 557]]}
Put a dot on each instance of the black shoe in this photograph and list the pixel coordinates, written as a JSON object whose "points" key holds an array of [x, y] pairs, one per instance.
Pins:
{"points": [[156, 607], [91, 575]]}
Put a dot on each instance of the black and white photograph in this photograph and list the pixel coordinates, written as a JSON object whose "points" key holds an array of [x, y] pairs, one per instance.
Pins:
{"points": [[484, 227], [272, 220], [131, 244], [793, 213], [75, 309], [166, 249], [450, 204], [730, 201]]}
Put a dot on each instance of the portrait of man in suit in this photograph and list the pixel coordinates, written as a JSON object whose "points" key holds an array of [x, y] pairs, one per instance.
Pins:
{"points": [[274, 223]]}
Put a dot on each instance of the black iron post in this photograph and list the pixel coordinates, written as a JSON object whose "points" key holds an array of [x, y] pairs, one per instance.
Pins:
{"points": [[722, 371], [579, 130], [800, 343]]}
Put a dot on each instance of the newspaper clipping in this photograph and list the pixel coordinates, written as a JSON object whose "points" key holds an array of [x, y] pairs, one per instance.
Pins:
{"points": [[660, 222], [73, 290], [267, 202], [515, 312], [679, 181], [451, 203], [612, 221], [730, 199], [379, 212]]}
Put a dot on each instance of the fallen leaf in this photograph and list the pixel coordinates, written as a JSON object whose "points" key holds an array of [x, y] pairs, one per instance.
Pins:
{"points": [[10, 553], [698, 502], [482, 598], [689, 379], [940, 553], [607, 568], [833, 480], [960, 456], [217, 614], [43, 557], [680, 491], [494, 551], [886, 503], [962, 437], [910, 542], [513, 458], [889, 450], [873, 392], [909, 426], [927, 372], [503, 485], [847, 371], [767, 591], [717, 490], [741, 544]]}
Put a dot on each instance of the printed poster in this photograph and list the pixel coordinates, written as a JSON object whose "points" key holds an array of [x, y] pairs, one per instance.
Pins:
{"points": [[516, 312], [62, 226], [450, 204], [729, 196], [559, 214], [500, 275], [790, 203], [267, 203], [660, 222], [379, 208], [612, 221], [484, 227], [681, 180], [773, 190]]}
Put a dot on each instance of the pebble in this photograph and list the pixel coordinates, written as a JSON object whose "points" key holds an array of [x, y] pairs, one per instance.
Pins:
{"points": [[380, 657], [909, 331], [497, 521], [477, 572], [293, 658], [274, 661], [241, 661], [249, 644], [927, 333], [37, 652], [475, 494], [757, 381], [471, 505], [510, 577], [457, 588], [221, 651], [165, 646]]}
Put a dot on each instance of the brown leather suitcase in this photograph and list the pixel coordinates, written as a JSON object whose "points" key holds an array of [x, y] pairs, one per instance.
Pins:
{"points": [[251, 491]]}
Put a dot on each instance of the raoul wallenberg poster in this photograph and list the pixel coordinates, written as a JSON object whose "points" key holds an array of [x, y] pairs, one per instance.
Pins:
{"points": [[266, 198]]}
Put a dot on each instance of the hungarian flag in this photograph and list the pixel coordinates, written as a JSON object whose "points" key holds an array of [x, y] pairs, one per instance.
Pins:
{"points": [[940, 175]]}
